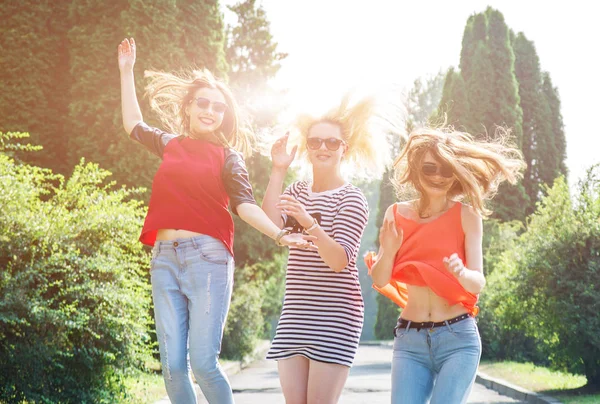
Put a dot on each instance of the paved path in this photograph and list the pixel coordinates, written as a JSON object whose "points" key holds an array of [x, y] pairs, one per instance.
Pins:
{"points": [[369, 382]]}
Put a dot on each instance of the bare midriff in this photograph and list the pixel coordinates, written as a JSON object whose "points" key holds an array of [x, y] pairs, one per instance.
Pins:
{"points": [[172, 234], [424, 305]]}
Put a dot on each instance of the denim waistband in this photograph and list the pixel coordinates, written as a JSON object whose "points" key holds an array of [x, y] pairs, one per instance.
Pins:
{"points": [[188, 242]]}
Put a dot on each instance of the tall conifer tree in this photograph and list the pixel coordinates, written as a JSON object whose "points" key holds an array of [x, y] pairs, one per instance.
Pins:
{"points": [[35, 77]]}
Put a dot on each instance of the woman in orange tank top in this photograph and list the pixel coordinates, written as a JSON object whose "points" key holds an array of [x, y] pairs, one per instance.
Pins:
{"points": [[430, 259]]}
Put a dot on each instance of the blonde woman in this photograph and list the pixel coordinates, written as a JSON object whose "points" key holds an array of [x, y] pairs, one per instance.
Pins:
{"points": [[188, 222], [322, 316], [430, 260]]}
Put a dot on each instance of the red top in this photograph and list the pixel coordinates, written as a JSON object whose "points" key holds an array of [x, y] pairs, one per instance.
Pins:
{"points": [[419, 261], [193, 185]]}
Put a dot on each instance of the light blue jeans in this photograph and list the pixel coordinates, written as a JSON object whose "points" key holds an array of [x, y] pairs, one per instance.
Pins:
{"points": [[437, 365], [192, 280]]}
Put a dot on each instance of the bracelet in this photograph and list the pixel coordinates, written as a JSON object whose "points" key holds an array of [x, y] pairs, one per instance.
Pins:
{"points": [[282, 232], [313, 226]]}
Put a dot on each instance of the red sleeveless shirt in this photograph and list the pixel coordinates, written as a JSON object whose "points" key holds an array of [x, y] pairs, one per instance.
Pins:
{"points": [[419, 261]]}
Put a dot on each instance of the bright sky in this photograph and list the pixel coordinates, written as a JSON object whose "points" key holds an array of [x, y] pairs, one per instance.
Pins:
{"points": [[334, 45]]}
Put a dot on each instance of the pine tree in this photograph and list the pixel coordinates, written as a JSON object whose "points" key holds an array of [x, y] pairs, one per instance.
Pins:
{"points": [[251, 51], [558, 129], [202, 34], [35, 77], [537, 128], [95, 109], [505, 107], [491, 98]]}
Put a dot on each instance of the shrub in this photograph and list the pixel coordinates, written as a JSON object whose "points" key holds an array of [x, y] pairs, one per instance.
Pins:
{"points": [[74, 312]]}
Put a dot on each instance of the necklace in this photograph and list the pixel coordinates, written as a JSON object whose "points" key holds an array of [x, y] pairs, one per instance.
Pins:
{"points": [[436, 213]]}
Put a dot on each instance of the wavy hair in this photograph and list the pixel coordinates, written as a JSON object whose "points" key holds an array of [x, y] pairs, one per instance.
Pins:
{"points": [[364, 127], [478, 166], [170, 93]]}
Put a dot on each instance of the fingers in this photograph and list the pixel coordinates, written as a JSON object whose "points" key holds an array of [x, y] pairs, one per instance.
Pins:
{"points": [[454, 264], [126, 46], [293, 153]]}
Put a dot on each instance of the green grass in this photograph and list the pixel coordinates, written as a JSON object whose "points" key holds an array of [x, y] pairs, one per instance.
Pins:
{"points": [[145, 387], [149, 387], [566, 387]]}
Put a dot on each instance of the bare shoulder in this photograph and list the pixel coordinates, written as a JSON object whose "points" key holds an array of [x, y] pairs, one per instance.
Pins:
{"points": [[406, 209], [471, 219]]}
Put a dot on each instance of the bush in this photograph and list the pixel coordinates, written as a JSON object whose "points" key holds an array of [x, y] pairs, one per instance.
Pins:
{"points": [[548, 286], [74, 313], [255, 305]]}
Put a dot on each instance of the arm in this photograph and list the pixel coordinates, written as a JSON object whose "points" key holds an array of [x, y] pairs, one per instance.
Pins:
{"points": [[238, 187], [130, 108], [257, 218], [470, 276], [332, 252], [390, 240], [281, 161], [272, 197]]}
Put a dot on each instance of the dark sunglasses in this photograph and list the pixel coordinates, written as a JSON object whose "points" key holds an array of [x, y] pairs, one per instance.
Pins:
{"points": [[205, 103], [332, 144], [430, 169]]}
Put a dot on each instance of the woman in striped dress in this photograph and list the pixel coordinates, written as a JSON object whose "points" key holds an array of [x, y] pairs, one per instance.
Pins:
{"points": [[322, 316]]}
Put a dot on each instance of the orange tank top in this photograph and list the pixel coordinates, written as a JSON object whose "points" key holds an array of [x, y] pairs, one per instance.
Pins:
{"points": [[419, 261]]}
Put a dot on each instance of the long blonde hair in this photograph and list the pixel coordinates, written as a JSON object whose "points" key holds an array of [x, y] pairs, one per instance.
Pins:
{"points": [[478, 166], [364, 127], [170, 93]]}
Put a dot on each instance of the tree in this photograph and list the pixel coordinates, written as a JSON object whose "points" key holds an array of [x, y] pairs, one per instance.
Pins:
{"points": [[202, 35], [74, 313], [490, 98], [35, 77], [549, 282], [558, 164], [251, 51]]}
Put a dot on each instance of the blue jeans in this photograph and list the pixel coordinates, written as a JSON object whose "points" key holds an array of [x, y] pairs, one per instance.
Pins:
{"points": [[192, 280], [435, 365]]}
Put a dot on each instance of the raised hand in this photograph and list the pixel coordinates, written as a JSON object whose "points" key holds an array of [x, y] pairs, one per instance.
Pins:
{"points": [[291, 207], [279, 155], [454, 265], [126, 54], [390, 237]]}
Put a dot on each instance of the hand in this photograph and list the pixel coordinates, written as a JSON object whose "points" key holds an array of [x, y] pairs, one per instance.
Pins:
{"points": [[455, 265], [126, 52], [299, 241], [291, 207], [390, 239], [279, 155]]}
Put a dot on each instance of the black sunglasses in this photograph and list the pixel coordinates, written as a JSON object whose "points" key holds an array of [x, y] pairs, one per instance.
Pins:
{"points": [[332, 144], [205, 103], [431, 169]]}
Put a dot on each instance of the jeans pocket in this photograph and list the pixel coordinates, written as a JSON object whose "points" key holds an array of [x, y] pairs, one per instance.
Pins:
{"points": [[153, 256], [214, 253], [465, 330]]}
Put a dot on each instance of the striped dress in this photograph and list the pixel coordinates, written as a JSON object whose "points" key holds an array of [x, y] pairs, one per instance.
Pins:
{"points": [[322, 314]]}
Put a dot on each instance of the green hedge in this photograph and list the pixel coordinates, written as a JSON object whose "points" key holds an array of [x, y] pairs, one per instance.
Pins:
{"points": [[543, 297], [74, 312]]}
